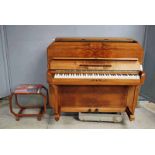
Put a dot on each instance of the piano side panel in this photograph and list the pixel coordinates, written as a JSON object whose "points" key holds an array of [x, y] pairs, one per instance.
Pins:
{"points": [[93, 96]]}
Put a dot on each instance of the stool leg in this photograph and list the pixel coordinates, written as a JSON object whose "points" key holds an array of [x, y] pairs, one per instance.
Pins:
{"points": [[57, 116], [45, 103], [47, 99], [10, 103], [40, 114], [10, 106], [17, 118], [20, 112], [43, 109]]}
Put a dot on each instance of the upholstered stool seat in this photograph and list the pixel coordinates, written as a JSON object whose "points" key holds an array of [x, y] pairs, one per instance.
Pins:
{"points": [[29, 89]]}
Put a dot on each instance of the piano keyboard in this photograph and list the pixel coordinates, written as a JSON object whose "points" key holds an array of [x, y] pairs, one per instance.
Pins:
{"points": [[96, 76]]}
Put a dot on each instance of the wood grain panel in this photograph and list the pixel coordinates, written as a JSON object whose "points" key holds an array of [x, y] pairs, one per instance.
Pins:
{"points": [[93, 96], [95, 64], [88, 49], [93, 81]]}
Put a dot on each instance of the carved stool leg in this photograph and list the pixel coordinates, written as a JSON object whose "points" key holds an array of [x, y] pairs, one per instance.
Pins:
{"points": [[10, 106], [40, 114], [42, 109], [17, 118], [10, 103]]}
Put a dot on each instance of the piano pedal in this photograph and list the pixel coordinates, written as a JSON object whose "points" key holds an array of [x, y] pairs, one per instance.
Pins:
{"points": [[101, 117]]}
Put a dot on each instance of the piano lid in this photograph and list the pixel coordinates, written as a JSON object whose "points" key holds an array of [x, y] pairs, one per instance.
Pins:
{"points": [[117, 48]]}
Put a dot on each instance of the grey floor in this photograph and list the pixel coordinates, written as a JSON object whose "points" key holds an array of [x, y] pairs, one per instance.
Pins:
{"points": [[145, 118]]}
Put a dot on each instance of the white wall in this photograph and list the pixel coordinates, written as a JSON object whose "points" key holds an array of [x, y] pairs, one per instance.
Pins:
{"points": [[27, 46], [4, 80]]}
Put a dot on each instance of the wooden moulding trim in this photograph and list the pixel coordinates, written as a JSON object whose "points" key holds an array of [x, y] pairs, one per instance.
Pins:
{"points": [[76, 58], [96, 39], [86, 109], [51, 72], [93, 82]]}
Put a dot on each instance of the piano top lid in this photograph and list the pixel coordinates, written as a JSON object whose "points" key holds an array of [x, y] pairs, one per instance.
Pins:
{"points": [[96, 39], [95, 48]]}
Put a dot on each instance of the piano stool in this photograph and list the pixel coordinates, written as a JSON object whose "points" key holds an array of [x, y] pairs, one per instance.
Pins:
{"points": [[29, 89]]}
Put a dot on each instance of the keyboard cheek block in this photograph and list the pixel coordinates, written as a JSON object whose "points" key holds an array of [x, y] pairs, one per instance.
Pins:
{"points": [[85, 74]]}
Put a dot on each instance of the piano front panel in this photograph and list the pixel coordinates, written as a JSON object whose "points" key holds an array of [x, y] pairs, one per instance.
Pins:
{"points": [[93, 97], [95, 50]]}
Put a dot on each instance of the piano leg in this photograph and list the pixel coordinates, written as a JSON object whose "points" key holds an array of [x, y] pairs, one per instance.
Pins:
{"points": [[132, 98], [55, 101], [130, 114], [57, 116]]}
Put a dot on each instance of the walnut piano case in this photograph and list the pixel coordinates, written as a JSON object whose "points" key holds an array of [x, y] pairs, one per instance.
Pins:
{"points": [[94, 75]]}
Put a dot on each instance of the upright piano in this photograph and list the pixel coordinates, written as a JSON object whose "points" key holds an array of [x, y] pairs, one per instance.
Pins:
{"points": [[94, 75]]}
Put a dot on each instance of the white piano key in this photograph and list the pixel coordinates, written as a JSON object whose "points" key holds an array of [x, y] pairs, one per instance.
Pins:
{"points": [[96, 76]]}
